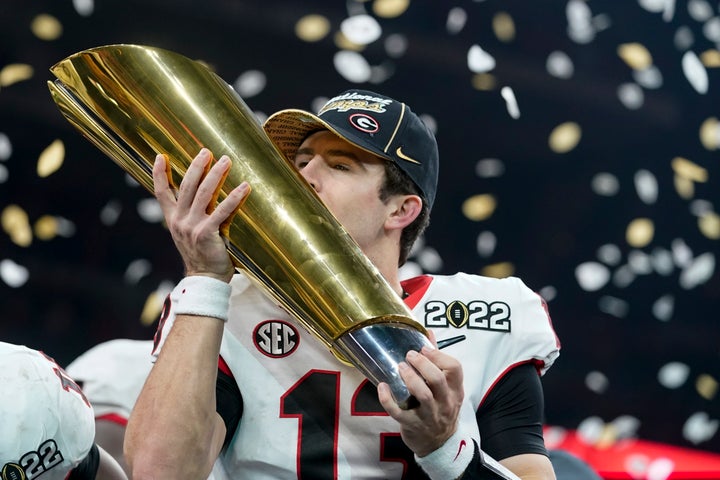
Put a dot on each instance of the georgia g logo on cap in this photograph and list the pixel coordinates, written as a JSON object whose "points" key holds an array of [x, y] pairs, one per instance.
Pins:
{"points": [[364, 122]]}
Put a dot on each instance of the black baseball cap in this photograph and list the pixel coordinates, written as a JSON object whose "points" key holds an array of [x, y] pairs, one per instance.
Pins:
{"points": [[373, 122]]}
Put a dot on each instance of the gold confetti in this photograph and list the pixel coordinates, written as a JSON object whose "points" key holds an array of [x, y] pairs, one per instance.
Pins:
{"points": [[684, 187], [635, 55], [14, 73], [504, 27], [312, 28], [46, 27], [710, 134], [484, 81], [390, 8], [706, 386], [640, 232], [46, 227], [152, 308], [343, 43], [51, 159], [16, 224], [608, 437], [479, 207], [710, 58], [687, 169], [709, 225], [565, 137], [498, 270]]}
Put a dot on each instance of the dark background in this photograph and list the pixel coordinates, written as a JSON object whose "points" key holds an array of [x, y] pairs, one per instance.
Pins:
{"points": [[548, 218]]}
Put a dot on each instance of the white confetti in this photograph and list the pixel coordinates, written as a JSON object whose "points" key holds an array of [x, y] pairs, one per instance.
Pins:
{"points": [[700, 10], [698, 272], [673, 375], [605, 184], [681, 252], [559, 65], [479, 61], [396, 45], [613, 306], [456, 19], [699, 428], [623, 276], [662, 261], [579, 18], [250, 83], [548, 293], [597, 382], [361, 29], [5, 147], [592, 276], [591, 429], [695, 72], [684, 38], [649, 77], [136, 270], [486, 243], [631, 96], [639, 262], [13, 274], [489, 168], [663, 307], [660, 469], [430, 260], [110, 212], [352, 66], [609, 254], [510, 102], [149, 210], [646, 186], [84, 7]]}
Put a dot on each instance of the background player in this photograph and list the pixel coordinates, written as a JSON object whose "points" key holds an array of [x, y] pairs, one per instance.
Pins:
{"points": [[47, 423]]}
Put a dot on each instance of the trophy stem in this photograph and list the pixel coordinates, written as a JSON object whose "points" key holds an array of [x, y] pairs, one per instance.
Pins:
{"points": [[376, 350]]}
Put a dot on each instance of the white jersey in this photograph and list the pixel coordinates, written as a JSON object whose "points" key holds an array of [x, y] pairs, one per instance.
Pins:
{"points": [[307, 415], [112, 374], [47, 423]]}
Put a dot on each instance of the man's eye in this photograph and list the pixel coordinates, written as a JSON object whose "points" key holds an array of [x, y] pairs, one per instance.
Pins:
{"points": [[340, 166]]}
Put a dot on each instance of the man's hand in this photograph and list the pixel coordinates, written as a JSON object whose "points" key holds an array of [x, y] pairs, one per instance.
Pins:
{"points": [[435, 379], [191, 216]]}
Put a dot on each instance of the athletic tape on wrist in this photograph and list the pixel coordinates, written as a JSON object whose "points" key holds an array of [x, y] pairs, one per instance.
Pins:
{"points": [[451, 460], [204, 297]]}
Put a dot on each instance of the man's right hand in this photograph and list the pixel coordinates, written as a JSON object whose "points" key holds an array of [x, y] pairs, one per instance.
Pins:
{"points": [[193, 219]]}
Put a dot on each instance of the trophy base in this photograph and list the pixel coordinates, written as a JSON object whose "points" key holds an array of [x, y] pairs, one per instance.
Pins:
{"points": [[376, 350]]}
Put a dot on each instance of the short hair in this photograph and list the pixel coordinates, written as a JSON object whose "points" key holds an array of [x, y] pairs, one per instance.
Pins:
{"points": [[398, 182]]}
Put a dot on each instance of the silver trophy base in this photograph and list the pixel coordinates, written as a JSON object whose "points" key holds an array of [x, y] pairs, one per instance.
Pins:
{"points": [[376, 350]]}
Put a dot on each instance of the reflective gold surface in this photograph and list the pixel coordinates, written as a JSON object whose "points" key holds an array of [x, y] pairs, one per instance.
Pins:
{"points": [[134, 101]]}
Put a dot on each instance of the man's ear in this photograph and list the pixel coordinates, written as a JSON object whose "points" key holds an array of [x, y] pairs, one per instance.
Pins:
{"points": [[406, 209]]}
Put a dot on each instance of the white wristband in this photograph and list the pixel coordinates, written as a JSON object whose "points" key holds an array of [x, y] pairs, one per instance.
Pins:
{"points": [[203, 296], [451, 460]]}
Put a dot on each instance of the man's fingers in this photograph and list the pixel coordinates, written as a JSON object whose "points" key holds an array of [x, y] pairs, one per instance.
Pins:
{"points": [[193, 176], [163, 191], [228, 208]]}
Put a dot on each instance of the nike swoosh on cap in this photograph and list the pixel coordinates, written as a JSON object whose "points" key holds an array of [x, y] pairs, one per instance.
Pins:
{"points": [[400, 154]]}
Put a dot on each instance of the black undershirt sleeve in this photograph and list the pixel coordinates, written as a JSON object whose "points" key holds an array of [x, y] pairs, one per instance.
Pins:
{"points": [[87, 469], [229, 404], [510, 421], [511, 417]]}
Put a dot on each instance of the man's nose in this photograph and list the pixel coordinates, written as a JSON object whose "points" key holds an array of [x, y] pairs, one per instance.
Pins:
{"points": [[310, 172]]}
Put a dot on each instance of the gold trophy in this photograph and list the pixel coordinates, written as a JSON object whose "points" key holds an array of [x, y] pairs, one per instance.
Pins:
{"points": [[134, 101]]}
